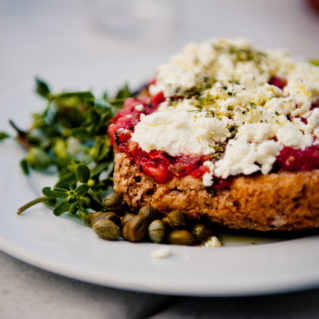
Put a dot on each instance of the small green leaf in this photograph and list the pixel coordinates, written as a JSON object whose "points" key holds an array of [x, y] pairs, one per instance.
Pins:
{"points": [[3, 136], [101, 108], [105, 96], [60, 148], [81, 133], [61, 208], [95, 201], [101, 149], [42, 88], [73, 209], [82, 173], [56, 192], [24, 166], [74, 99], [315, 62], [66, 179], [37, 158], [82, 189], [81, 95], [124, 92], [100, 168]]}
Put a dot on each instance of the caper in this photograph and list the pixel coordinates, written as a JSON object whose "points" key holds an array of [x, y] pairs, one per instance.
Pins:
{"points": [[175, 219], [125, 218], [149, 212], [181, 237], [107, 229], [94, 217], [135, 228], [156, 231], [201, 232], [113, 217], [113, 202]]}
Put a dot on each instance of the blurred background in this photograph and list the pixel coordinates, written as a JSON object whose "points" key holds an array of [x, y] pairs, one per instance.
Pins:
{"points": [[98, 43]]}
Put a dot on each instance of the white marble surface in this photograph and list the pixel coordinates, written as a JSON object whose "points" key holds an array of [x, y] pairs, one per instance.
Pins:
{"points": [[48, 37]]}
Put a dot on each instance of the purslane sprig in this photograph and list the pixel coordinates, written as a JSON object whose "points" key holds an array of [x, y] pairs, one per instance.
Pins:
{"points": [[69, 137], [3, 136]]}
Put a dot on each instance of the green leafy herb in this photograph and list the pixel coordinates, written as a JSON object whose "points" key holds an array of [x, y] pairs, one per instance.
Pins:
{"points": [[42, 88], [315, 62], [3, 136], [24, 166], [70, 135]]}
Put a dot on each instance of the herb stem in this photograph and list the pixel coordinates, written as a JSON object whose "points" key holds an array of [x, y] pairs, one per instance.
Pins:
{"points": [[31, 203], [119, 100], [17, 129]]}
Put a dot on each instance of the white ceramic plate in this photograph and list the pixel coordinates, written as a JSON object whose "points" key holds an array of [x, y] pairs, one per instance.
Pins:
{"points": [[68, 248]]}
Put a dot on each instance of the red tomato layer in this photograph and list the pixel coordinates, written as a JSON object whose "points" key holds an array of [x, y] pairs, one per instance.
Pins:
{"points": [[291, 159]]}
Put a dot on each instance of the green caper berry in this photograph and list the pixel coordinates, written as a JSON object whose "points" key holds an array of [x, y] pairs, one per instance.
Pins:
{"points": [[181, 237], [165, 221], [113, 217], [125, 218], [156, 231], [94, 217], [113, 202], [149, 212], [201, 232], [176, 219], [135, 228], [107, 229]]}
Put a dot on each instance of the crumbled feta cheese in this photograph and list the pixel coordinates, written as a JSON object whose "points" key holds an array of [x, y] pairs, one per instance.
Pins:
{"points": [[162, 253], [234, 103], [242, 157], [212, 242], [208, 177], [312, 123], [266, 153], [123, 130], [139, 107], [239, 158], [279, 221], [289, 135], [255, 132], [177, 131]]}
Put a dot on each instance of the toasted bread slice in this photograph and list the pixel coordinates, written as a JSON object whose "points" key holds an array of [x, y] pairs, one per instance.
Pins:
{"points": [[278, 201]]}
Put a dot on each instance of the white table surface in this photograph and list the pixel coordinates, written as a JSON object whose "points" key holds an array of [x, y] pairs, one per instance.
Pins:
{"points": [[49, 37]]}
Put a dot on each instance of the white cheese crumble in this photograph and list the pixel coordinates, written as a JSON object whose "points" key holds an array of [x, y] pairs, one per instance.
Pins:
{"points": [[212, 242], [139, 107], [179, 131], [227, 98], [289, 135], [162, 253], [208, 177], [246, 158]]}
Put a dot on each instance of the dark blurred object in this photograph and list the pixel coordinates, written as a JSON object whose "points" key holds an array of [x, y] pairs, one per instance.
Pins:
{"points": [[314, 5]]}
